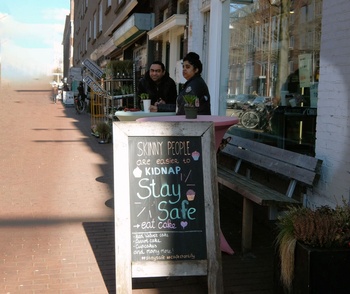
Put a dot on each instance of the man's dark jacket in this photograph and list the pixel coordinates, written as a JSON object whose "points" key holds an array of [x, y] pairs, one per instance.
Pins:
{"points": [[165, 89]]}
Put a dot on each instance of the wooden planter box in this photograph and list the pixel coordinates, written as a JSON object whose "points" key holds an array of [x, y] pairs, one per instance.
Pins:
{"points": [[318, 271]]}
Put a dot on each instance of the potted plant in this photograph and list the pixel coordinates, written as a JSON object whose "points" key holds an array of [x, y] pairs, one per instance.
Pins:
{"points": [[145, 102], [191, 106], [313, 253], [144, 96], [104, 132]]}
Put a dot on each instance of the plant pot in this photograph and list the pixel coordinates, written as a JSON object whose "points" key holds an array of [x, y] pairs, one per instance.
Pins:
{"points": [[191, 112], [318, 270]]}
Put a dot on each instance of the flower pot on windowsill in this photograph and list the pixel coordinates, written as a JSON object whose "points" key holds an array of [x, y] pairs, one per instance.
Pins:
{"points": [[191, 112]]}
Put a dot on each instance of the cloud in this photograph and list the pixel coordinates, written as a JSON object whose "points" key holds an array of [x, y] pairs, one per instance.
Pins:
{"points": [[31, 49], [32, 35], [57, 14], [28, 61]]}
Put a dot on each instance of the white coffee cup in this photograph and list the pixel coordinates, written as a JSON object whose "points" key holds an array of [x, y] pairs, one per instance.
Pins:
{"points": [[146, 105]]}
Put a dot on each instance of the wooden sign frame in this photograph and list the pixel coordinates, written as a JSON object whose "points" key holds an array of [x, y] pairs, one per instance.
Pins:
{"points": [[126, 269]]}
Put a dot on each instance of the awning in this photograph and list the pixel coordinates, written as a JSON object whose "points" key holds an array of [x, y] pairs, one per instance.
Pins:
{"points": [[173, 22], [95, 55], [107, 47], [137, 24]]}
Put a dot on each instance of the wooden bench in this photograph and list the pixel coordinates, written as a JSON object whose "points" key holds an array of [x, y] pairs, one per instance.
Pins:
{"points": [[278, 164]]}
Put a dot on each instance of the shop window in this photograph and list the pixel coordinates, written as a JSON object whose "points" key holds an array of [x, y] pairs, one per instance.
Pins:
{"points": [[274, 54]]}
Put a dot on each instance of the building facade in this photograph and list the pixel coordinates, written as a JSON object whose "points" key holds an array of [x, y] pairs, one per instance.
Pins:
{"points": [[292, 51]]}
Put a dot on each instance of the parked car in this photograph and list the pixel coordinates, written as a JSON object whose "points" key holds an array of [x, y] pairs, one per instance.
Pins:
{"points": [[261, 100], [238, 101]]}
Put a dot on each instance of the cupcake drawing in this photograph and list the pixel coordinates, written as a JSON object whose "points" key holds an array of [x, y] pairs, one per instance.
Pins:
{"points": [[195, 155], [137, 172], [190, 195]]}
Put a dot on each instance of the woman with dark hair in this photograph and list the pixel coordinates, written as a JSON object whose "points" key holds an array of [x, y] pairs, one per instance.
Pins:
{"points": [[195, 85]]}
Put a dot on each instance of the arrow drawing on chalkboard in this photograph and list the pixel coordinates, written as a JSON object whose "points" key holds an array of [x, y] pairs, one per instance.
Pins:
{"points": [[136, 226]]}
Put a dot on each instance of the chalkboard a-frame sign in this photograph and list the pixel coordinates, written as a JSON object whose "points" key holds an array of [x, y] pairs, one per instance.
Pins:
{"points": [[165, 202]]}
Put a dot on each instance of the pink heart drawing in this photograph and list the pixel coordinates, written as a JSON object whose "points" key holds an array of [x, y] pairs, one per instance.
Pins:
{"points": [[184, 224]]}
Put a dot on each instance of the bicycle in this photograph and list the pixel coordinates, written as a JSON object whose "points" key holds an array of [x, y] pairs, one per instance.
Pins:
{"points": [[258, 116], [80, 104]]}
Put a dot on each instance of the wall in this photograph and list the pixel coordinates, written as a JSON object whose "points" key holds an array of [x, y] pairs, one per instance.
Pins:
{"points": [[195, 27], [332, 130]]}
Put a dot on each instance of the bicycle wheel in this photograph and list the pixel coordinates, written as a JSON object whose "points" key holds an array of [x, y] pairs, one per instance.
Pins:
{"points": [[80, 106], [250, 120]]}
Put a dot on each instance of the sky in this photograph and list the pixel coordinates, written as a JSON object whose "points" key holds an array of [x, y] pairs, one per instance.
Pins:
{"points": [[31, 34]]}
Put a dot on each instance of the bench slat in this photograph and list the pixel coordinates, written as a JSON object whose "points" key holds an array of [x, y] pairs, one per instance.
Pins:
{"points": [[252, 190], [292, 158], [274, 165]]}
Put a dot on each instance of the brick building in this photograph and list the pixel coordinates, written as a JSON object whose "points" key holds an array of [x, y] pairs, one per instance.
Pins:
{"points": [[246, 46]]}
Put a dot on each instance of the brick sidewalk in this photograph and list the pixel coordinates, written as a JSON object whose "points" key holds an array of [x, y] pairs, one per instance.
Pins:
{"points": [[56, 220], [54, 176]]}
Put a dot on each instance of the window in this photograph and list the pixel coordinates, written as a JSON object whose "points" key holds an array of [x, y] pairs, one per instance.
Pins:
{"points": [[100, 17], [181, 7], [165, 14], [86, 39], [303, 14], [291, 42], [85, 6], [311, 13], [290, 67], [275, 53], [95, 26]]}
